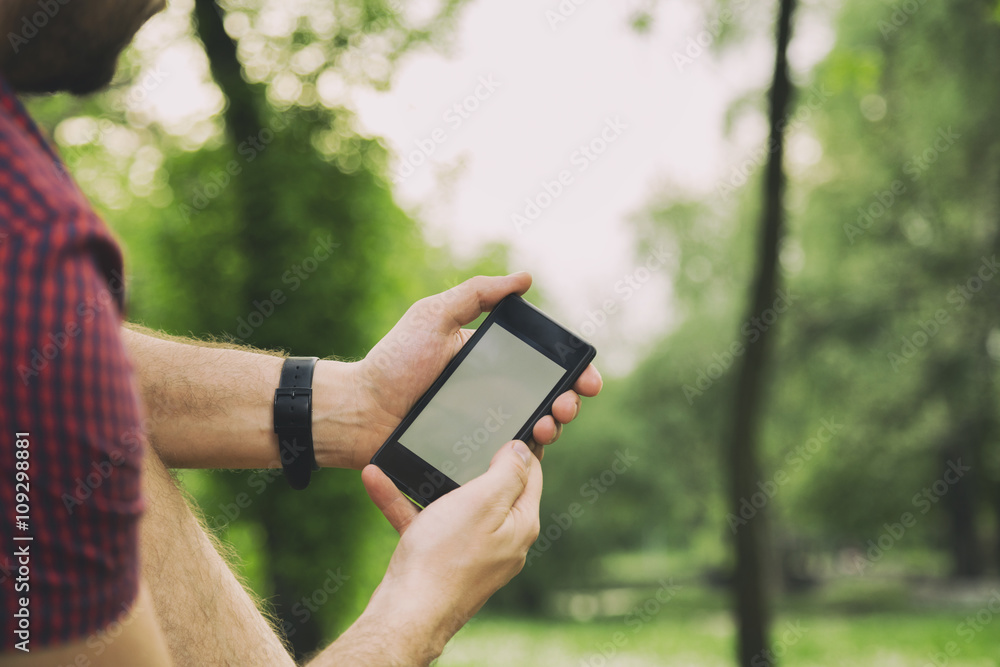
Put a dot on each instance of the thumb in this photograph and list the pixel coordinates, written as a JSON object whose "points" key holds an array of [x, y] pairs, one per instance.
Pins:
{"points": [[396, 507], [509, 473], [466, 301]]}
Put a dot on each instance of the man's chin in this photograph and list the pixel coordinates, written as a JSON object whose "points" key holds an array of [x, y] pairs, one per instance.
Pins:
{"points": [[95, 79]]}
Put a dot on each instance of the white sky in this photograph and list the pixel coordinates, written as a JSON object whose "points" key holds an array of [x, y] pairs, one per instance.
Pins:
{"points": [[558, 86]]}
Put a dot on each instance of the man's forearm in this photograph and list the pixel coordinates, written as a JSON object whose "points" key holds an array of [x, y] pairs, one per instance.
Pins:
{"points": [[400, 635], [371, 646], [211, 406]]}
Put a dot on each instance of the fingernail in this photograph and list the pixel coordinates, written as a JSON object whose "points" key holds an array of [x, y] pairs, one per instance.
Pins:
{"points": [[522, 450]]}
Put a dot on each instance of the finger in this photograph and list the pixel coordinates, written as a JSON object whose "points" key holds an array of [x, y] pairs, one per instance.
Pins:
{"points": [[536, 449], [590, 382], [470, 299], [391, 502], [546, 430], [507, 476], [566, 407], [527, 504]]}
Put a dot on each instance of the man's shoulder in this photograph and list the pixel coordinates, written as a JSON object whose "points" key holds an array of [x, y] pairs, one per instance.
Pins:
{"points": [[36, 192], [43, 215]]}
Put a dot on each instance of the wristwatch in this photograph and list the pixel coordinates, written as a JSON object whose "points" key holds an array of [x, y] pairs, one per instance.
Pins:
{"points": [[293, 420]]}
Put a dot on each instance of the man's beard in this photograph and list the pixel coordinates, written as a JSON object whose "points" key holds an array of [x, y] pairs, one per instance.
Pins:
{"points": [[77, 49]]}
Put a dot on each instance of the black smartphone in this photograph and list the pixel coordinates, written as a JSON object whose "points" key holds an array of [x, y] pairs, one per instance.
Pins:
{"points": [[502, 381]]}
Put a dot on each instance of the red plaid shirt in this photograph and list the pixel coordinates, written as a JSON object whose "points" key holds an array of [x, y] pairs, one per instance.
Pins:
{"points": [[72, 485]]}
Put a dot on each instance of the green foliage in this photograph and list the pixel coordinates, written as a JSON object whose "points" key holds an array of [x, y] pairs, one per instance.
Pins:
{"points": [[694, 629], [884, 369]]}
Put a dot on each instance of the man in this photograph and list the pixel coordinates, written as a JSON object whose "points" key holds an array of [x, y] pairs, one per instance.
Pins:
{"points": [[118, 571]]}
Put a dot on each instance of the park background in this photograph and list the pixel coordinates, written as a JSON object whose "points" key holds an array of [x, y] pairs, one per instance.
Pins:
{"points": [[777, 221]]}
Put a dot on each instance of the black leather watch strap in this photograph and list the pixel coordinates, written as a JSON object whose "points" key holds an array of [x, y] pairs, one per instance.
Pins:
{"points": [[293, 420]]}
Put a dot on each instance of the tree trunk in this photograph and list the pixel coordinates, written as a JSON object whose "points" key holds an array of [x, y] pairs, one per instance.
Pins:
{"points": [[750, 586], [244, 119], [989, 431], [961, 500], [971, 439]]}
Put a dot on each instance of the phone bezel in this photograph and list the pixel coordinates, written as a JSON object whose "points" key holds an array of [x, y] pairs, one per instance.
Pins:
{"points": [[423, 483]]}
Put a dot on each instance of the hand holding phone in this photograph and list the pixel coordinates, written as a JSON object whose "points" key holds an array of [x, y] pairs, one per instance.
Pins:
{"points": [[505, 378], [405, 362], [455, 554]]}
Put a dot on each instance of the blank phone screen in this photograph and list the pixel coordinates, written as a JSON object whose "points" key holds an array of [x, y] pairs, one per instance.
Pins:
{"points": [[484, 403]]}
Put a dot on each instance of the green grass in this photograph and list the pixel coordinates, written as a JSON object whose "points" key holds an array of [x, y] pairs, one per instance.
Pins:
{"points": [[806, 635]]}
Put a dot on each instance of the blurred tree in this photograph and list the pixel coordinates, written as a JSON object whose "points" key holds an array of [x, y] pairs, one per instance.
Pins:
{"points": [[750, 582], [871, 397], [290, 198], [891, 336]]}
